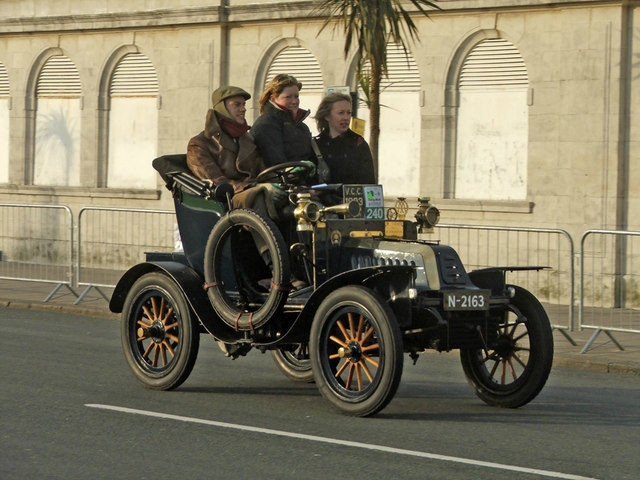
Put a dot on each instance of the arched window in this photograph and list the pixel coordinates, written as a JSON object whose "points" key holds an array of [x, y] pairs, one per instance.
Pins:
{"points": [[58, 122], [133, 123], [300, 63], [4, 125], [399, 144], [492, 123]]}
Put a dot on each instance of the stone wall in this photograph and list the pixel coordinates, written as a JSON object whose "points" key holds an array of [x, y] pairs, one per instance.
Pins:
{"points": [[582, 59]]}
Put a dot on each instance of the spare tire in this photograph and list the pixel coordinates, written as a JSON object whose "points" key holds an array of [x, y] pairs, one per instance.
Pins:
{"points": [[234, 308]]}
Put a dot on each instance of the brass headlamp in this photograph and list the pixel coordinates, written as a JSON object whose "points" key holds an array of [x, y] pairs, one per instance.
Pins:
{"points": [[307, 212], [427, 215]]}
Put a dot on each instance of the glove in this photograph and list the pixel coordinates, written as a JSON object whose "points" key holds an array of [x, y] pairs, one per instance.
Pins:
{"points": [[276, 194], [301, 172]]}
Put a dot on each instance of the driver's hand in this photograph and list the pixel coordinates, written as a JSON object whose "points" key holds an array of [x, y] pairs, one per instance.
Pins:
{"points": [[302, 172], [277, 195]]}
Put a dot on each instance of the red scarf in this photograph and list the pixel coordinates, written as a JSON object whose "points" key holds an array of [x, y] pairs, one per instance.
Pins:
{"points": [[236, 130], [297, 117]]}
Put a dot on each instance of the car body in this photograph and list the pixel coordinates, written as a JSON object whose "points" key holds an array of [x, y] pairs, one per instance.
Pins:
{"points": [[374, 291]]}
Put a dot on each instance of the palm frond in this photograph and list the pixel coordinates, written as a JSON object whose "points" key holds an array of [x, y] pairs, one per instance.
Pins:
{"points": [[369, 25]]}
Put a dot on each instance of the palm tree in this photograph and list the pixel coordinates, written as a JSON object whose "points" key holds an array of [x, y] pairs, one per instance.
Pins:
{"points": [[371, 25]]}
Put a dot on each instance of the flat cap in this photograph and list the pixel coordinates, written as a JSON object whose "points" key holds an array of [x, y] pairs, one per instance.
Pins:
{"points": [[228, 91]]}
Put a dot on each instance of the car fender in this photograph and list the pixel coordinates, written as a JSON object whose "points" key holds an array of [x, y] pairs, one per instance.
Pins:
{"points": [[191, 285], [494, 278], [391, 282]]}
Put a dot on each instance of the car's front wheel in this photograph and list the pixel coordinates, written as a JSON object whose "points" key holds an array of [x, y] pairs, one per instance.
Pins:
{"points": [[356, 351]]}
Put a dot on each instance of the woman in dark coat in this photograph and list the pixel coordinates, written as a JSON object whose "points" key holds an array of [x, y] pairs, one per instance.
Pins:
{"points": [[280, 132], [346, 153]]}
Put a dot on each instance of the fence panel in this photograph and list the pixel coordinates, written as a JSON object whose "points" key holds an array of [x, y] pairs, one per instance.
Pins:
{"points": [[111, 240], [36, 243], [610, 280], [482, 246]]}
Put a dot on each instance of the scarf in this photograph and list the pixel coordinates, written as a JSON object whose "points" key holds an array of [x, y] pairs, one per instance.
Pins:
{"points": [[234, 129], [297, 117]]}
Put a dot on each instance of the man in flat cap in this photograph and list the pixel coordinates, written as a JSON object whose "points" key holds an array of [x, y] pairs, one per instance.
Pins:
{"points": [[225, 152]]}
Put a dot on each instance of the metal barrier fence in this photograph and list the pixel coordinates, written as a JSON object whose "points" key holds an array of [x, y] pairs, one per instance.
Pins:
{"points": [[482, 246], [609, 283], [111, 240], [36, 244]]}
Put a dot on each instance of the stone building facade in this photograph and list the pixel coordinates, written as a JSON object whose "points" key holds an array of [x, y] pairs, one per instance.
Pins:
{"points": [[507, 112]]}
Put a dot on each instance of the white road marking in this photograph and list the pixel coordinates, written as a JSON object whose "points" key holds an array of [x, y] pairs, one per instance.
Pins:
{"points": [[347, 443]]}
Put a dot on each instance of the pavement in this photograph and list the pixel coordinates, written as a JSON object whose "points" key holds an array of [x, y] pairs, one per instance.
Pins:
{"points": [[603, 355]]}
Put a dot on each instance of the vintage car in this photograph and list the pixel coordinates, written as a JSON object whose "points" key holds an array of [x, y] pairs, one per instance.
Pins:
{"points": [[371, 291]]}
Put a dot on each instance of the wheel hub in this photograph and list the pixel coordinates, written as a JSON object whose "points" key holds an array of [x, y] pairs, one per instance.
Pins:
{"points": [[504, 346], [156, 332], [353, 352]]}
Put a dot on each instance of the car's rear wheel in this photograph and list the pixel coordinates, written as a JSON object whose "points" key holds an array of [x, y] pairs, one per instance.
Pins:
{"points": [[515, 366], [294, 362], [356, 351], [159, 337]]}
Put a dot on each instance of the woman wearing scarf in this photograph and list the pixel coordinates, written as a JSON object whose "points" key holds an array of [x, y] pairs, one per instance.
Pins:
{"points": [[280, 132]]}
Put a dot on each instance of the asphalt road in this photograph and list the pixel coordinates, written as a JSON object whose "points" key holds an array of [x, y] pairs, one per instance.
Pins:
{"points": [[69, 408]]}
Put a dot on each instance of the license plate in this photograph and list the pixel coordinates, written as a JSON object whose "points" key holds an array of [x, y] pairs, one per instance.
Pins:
{"points": [[466, 300]]}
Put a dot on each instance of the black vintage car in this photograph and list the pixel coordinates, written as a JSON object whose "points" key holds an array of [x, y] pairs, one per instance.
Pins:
{"points": [[368, 291]]}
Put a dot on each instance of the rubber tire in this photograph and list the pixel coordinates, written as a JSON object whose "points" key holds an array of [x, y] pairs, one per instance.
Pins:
{"points": [[281, 270], [387, 377], [533, 377], [296, 370], [181, 364]]}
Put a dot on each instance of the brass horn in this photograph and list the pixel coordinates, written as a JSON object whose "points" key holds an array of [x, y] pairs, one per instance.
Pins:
{"points": [[352, 208]]}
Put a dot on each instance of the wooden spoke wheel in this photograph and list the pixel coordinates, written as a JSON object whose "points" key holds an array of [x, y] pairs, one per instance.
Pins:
{"points": [[514, 367], [159, 337], [294, 362], [356, 351]]}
